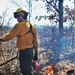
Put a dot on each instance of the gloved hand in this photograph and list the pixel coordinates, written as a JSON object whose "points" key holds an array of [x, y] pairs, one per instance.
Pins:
{"points": [[1, 39], [35, 56]]}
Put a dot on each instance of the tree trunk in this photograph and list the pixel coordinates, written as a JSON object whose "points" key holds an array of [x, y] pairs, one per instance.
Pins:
{"points": [[60, 17]]}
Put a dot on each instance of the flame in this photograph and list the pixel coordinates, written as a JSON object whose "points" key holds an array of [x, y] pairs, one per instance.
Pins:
{"points": [[51, 71]]}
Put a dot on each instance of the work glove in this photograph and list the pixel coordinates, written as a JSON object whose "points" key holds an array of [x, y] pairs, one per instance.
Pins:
{"points": [[35, 57], [1, 39]]}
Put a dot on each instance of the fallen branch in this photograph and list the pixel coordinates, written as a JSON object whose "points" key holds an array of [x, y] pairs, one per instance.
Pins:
{"points": [[9, 60]]}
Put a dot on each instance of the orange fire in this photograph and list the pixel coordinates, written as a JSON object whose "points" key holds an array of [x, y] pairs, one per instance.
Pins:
{"points": [[51, 71]]}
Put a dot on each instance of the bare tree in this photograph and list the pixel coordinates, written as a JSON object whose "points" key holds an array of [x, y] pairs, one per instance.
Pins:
{"points": [[6, 20], [68, 13]]}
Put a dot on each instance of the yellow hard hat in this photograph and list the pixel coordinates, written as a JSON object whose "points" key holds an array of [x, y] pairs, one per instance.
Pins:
{"points": [[20, 10]]}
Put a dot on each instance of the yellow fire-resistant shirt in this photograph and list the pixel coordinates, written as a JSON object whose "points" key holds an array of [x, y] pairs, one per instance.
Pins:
{"points": [[26, 40]]}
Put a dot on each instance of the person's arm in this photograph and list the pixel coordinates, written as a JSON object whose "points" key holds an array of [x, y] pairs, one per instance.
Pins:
{"points": [[1, 39], [36, 54], [35, 45], [13, 33]]}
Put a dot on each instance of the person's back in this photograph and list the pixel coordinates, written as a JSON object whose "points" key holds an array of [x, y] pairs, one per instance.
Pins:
{"points": [[24, 39]]}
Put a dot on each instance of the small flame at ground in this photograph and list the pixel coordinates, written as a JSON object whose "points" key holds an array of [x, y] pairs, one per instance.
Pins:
{"points": [[51, 71]]}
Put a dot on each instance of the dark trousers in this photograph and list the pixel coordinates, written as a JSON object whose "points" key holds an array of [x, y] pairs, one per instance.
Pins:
{"points": [[25, 58]]}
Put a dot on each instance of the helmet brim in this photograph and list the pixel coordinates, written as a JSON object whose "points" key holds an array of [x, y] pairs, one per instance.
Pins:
{"points": [[16, 13]]}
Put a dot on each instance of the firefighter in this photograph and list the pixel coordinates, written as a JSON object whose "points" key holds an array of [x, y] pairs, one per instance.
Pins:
{"points": [[26, 40]]}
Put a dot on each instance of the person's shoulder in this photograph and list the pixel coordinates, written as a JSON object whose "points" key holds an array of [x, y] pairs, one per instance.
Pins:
{"points": [[20, 23], [17, 25], [33, 26]]}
